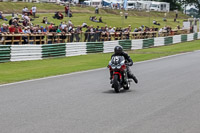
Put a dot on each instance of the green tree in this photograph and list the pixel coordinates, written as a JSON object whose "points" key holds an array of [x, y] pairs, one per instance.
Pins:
{"points": [[174, 4], [196, 3]]}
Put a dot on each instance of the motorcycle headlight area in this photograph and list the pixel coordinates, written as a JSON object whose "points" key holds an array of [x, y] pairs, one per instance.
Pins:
{"points": [[113, 67], [118, 67]]}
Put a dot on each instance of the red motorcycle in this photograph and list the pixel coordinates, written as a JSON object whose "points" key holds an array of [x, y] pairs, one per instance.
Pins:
{"points": [[118, 70]]}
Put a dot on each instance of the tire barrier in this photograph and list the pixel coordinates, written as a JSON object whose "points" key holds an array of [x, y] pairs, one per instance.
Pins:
{"points": [[26, 52], [126, 44], [109, 45], [190, 37], [5, 53], [195, 36], [94, 47], [198, 35], [148, 43], [137, 44], [75, 49], [177, 39], [160, 41], [183, 38], [53, 50], [36, 52], [168, 40]]}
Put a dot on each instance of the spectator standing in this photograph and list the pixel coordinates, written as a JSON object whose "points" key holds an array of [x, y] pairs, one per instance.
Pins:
{"points": [[77, 33], [63, 25], [97, 10], [87, 34], [126, 15], [165, 17], [135, 30], [4, 28], [176, 11], [70, 22], [66, 10], [111, 30], [34, 9], [23, 10], [160, 31]]}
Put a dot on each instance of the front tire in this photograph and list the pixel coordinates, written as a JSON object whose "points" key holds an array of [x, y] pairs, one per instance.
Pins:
{"points": [[116, 83]]}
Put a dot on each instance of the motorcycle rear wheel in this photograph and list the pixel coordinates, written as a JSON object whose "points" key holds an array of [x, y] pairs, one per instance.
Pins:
{"points": [[116, 83]]}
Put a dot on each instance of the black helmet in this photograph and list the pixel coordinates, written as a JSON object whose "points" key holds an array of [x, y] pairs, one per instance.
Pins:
{"points": [[118, 50]]}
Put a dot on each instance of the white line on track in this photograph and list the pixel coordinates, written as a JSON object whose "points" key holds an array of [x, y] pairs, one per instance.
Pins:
{"points": [[20, 82]]}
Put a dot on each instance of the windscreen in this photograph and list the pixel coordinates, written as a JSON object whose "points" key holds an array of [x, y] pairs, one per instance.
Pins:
{"points": [[117, 60]]}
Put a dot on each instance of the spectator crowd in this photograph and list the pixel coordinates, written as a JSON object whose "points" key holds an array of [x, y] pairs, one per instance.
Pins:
{"points": [[23, 25]]}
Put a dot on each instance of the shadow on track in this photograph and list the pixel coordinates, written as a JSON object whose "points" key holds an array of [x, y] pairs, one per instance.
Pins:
{"points": [[121, 91]]}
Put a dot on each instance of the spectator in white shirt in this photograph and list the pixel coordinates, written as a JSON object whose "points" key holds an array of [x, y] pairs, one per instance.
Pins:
{"points": [[63, 25], [34, 9], [26, 17], [111, 30], [70, 22]]}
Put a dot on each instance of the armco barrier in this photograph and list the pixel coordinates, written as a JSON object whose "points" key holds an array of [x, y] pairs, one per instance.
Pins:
{"points": [[94, 47], [126, 44], [74, 49], [5, 53], [168, 40], [35, 52], [26, 52], [148, 43], [53, 50]]}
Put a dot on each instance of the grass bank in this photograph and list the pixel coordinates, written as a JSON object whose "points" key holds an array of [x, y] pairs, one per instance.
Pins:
{"points": [[18, 71], [9, 7], [109, 19], [82, 14]]}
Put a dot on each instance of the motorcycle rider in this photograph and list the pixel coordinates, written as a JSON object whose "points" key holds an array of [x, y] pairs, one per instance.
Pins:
{"points": [[118, 51]]}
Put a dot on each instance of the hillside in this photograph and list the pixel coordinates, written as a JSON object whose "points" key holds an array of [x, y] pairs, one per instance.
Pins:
{"points": [[9, 7], [82, 14]]}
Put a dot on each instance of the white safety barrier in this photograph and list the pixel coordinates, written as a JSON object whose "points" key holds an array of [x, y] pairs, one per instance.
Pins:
{"points": [[160, 41], [177, 39], [75, 49], [190, 37], [26, 52], [109, 46], [198, 35], [137, 44], [34, 52]]}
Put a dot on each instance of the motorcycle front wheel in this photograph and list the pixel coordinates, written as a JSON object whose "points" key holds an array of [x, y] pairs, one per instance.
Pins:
{"points": [[116, 83]]}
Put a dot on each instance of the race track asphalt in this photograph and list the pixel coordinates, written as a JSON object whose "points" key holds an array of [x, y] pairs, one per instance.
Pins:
{"points": [[166, 100]]}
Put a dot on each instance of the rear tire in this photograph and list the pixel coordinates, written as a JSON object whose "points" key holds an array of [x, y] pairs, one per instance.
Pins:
{"points": [[116, 84]]}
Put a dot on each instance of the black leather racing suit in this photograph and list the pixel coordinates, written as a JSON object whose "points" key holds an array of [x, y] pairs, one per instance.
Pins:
{"points": [[128, 61]]}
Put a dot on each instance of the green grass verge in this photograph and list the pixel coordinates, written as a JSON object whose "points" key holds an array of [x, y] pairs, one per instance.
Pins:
{"points": [[25, 70]]}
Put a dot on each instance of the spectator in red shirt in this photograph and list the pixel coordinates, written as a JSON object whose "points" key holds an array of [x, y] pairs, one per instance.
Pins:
{"points": [[12, 29], [66, 10]]}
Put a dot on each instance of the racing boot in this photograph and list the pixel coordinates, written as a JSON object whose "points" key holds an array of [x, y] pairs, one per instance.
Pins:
{"points": [[133, 77]]}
